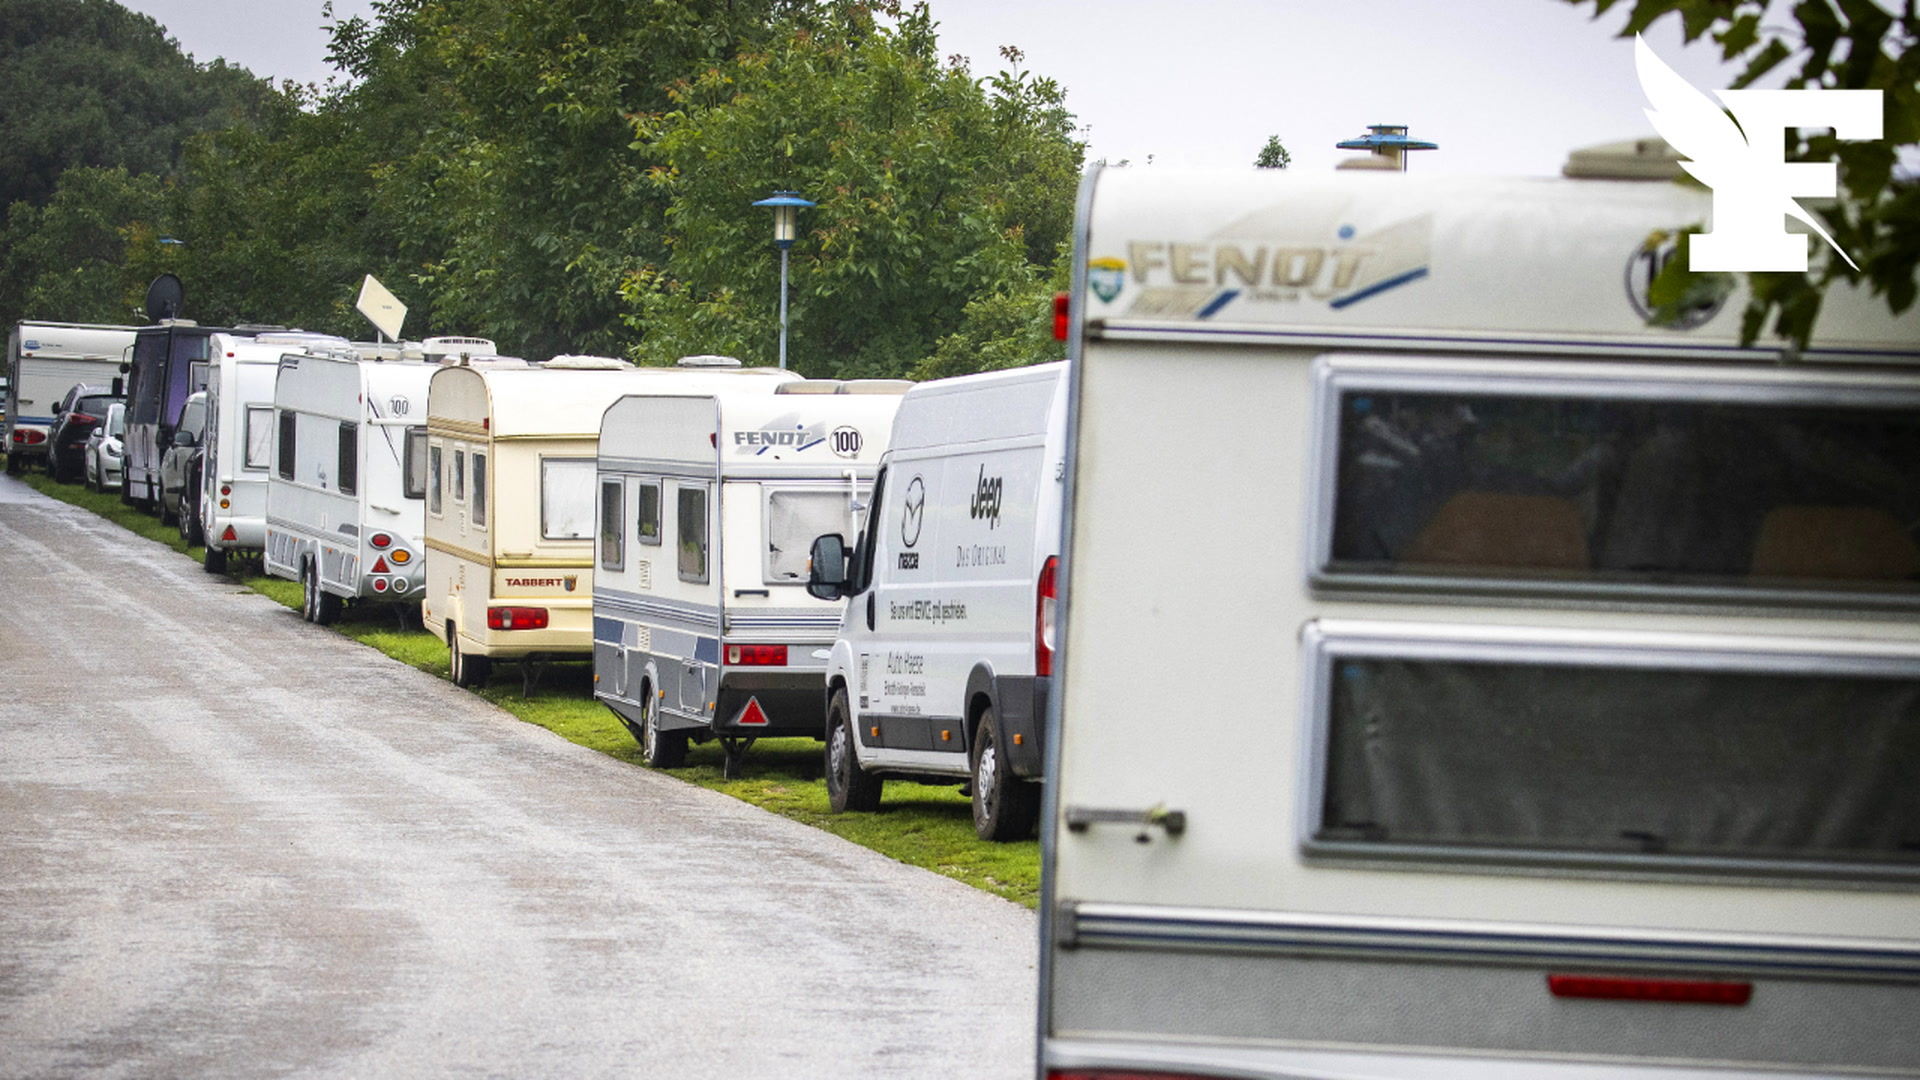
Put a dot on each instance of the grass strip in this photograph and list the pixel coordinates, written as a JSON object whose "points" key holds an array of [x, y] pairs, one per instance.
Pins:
{"points": [[924, 825]]}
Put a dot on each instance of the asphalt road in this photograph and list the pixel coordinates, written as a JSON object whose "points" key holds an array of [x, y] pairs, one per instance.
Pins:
{"points": [[233, 844]]}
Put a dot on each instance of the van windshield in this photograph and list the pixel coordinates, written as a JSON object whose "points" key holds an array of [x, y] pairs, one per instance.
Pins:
{"points": [[1628, 493], [794, 518]]}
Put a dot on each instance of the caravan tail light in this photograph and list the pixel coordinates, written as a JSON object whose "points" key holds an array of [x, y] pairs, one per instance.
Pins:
{"points": [[1060, 309], [401, 556], [757, 655], [226, 489], [381, 541], [379, 584], [29, 437], [1675, 991], [1043, 631], [516, 618]]}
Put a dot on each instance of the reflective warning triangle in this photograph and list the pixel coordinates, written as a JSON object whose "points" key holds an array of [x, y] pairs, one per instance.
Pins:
{"points": [[752, 715]]}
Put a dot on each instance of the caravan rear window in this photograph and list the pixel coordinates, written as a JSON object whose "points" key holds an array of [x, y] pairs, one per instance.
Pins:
{"points": [[1708, 488], [613, 524], [413, 472], [259, 436], [348, 460], [794, 519], [566, 498], [692, 536], [1676, 761]]}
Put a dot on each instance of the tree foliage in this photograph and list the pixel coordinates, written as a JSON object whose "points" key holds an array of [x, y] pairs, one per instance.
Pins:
{"points": [[1839, 45], [1273, 155]]}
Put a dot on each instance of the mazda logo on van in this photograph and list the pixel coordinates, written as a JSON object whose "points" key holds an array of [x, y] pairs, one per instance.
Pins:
{"points": [[913, 512]]}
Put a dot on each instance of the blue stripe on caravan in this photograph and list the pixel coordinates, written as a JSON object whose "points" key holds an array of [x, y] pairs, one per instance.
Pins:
{"points": [[607, 630], [1218, 302], [1375, 290]]}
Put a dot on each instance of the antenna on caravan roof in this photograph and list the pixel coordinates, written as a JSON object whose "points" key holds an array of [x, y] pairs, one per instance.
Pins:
{"points": [[382, 309], [1389, 144]]}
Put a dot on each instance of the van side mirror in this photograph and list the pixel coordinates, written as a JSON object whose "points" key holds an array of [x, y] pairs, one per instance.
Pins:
{"points": [[827, 568], [184, 437]]}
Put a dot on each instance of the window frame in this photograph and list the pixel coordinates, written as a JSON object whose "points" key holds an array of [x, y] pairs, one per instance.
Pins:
{"points": [[286, 444], [477, 494], [612, 542], [1707, 384], [436, 479], [771, 489], [658, 488], [413, 481], [682, 489], [457, 470], [347, 460], [1324, 643], [246, 450]]}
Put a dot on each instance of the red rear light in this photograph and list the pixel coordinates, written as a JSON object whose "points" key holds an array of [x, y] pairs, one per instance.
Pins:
{"points": [[1043, 629], [1060, 307], [516, 618], [226, 489], [380, 540], [379, 584], [82, 418], [29, 437], [1678, 991], [757, 655]]}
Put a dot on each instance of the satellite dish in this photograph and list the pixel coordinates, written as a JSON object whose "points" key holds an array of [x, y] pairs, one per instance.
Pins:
{"points": [[382, 308], [164, 298]]}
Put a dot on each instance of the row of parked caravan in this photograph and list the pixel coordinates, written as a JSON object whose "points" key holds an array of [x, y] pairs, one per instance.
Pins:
{"points": [[740, 552]]}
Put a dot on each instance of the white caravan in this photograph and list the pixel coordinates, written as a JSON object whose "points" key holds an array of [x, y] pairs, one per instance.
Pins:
{"points": [[944, 658], [44, 361], [510, 499], [1459, 676], [232, 486], [707, 508], [346, 504]]}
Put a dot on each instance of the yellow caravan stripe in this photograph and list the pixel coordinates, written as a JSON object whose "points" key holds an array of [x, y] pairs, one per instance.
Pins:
{"points": [[443, 426], [466, 553], [562, 564]]}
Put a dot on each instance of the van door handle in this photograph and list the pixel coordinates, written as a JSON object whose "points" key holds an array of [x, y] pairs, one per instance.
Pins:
{"points": [[870, 610], [1174, 822]]}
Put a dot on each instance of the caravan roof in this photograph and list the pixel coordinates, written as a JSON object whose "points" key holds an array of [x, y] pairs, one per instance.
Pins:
{"points": [[558, 401]]}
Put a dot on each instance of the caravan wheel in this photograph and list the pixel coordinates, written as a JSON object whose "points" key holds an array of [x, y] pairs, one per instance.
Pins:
{"points": [[321, 606], [659, 749], [1005, 807], [214, 560], [849, 787], [465, 670]]}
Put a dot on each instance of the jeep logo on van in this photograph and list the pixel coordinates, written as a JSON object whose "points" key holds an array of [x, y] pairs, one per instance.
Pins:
{"points": [[913, 512], [986, 500]]}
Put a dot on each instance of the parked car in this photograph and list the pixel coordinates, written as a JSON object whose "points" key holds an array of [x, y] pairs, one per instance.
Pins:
{"points": [[74, 419], [180, 469], [106, 469]]}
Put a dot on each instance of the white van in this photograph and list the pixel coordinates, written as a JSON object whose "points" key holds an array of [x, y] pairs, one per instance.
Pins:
{"points": [[1459, 676], [44, 361], [346, 502], [232, 487], [944, 657], [510, 498], [707, 508]]}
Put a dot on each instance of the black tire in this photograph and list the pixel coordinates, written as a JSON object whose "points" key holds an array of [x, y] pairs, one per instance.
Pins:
{"points": [[659, 749], [13, 464], [1005, 807], [214, 560], [849, 787], [465, 670], [307, 587], [167, 517]]}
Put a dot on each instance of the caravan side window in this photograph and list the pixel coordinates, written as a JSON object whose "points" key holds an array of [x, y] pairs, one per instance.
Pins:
{"points": [[479, 490], [289, 423], [259, 436], [613, 524], [647, 494], [566, 498], [459, 475], [349, 459], [434, 480], [692, 536], [413, 473], [1677, 485]]}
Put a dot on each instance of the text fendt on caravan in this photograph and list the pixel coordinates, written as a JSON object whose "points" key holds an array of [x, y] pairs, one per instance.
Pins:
{"points": [[346, 502], [708, 504], [1538, 690], [44, 361], [942, 666], [519, 585]]}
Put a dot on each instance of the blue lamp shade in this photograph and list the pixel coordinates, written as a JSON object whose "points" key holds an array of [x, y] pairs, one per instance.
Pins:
{"points": [[786, 212]]}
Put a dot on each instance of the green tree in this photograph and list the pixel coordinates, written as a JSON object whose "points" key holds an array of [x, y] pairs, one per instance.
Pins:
{"points": [[1840, 45], [69, 260], [944, 202], [1273, 155]]}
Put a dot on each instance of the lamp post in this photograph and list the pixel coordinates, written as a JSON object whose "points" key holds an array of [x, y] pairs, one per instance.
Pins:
{"points": [[786, 212]]}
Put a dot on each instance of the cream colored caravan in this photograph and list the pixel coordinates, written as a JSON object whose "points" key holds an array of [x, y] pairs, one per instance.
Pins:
{"points": [[1459, 676], [510, 498]]}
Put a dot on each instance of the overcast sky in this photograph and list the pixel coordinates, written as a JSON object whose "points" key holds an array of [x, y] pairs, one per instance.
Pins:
{"points": [[1504, 86]]}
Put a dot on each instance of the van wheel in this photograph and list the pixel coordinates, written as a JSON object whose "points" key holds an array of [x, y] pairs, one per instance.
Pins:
{"points": [[190, 530], [214, 560], [659, 749], [466, 670], [849, 787], [1005, 807]]}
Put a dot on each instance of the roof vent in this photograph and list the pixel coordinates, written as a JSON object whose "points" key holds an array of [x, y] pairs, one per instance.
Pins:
{"points": [[707, 360], [568, 362], [809, 386], [876, 386], [1631, 159]]}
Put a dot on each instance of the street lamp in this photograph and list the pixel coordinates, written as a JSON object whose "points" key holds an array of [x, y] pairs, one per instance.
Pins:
{"points": [[786, 212]]}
